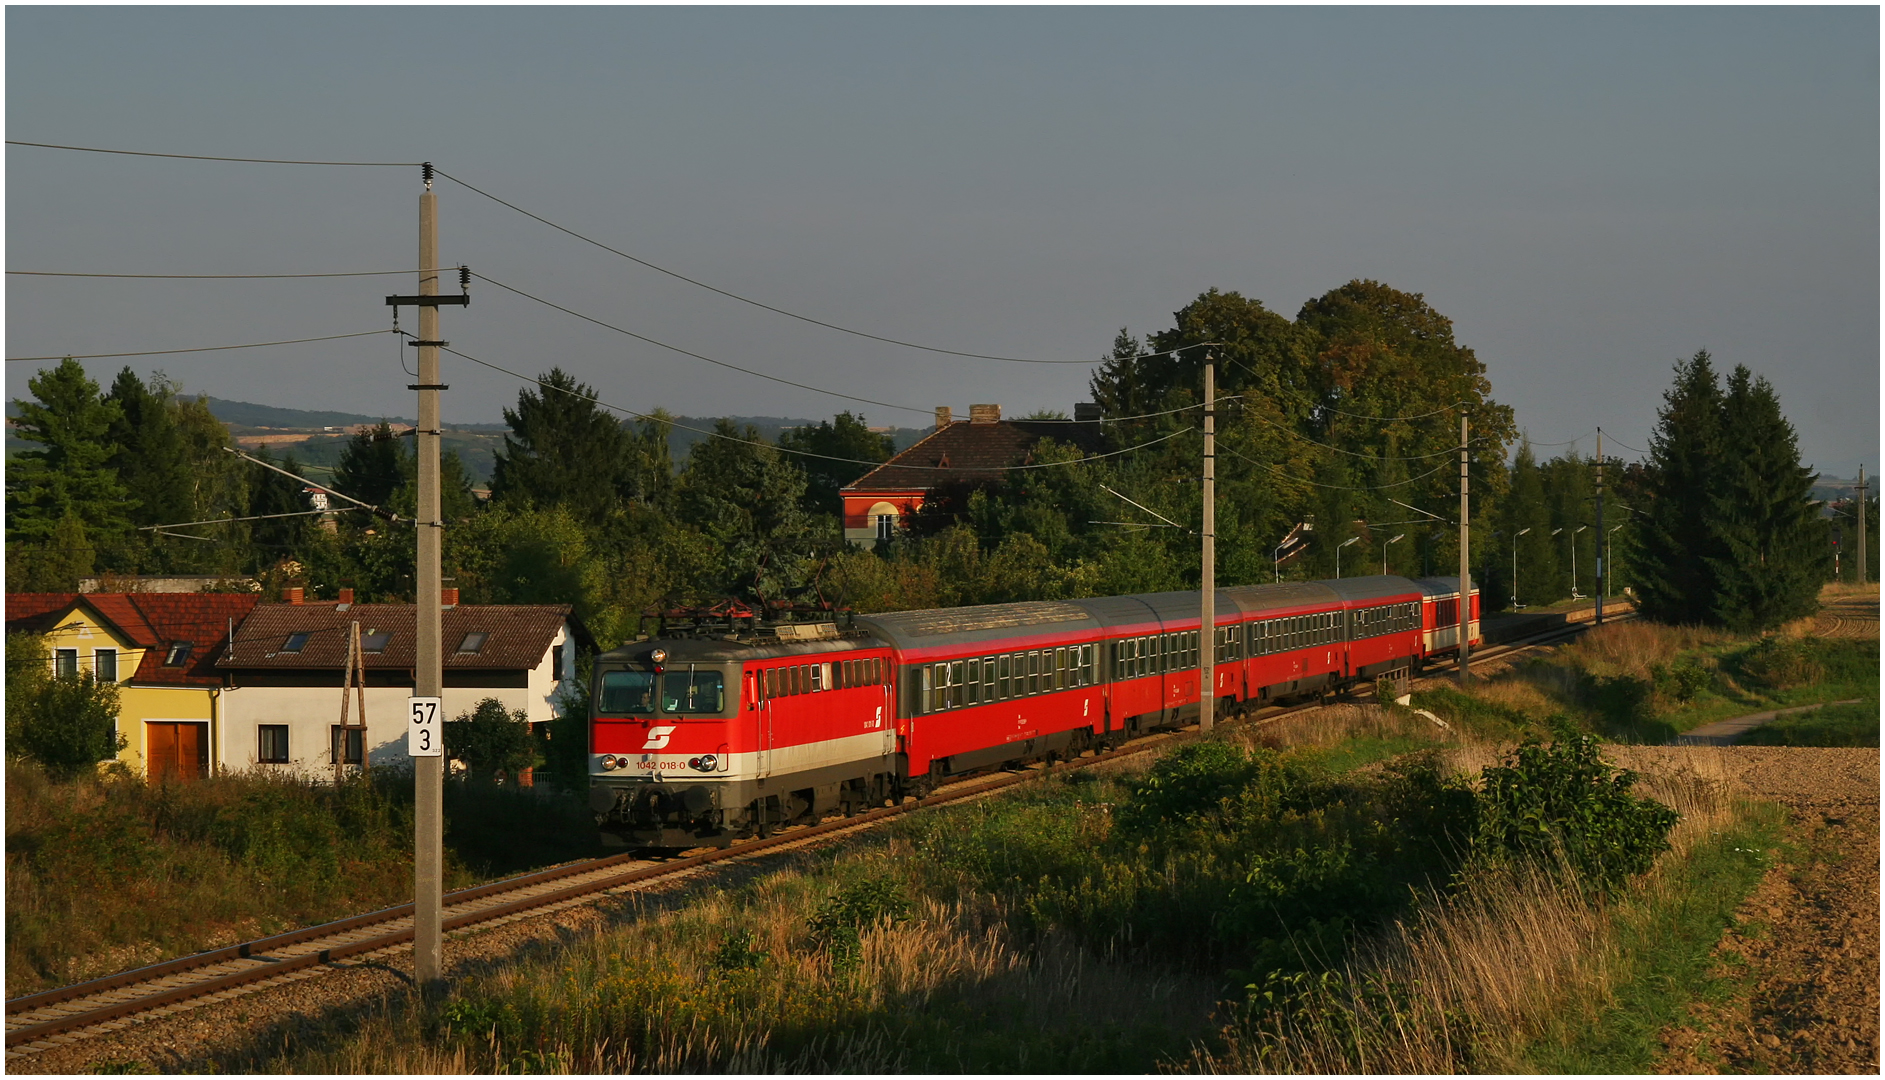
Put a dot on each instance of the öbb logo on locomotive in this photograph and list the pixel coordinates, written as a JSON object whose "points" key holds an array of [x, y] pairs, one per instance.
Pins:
{"points": [[732, 727]]}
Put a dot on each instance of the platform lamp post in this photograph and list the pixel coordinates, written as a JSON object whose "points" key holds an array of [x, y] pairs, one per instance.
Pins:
{"points": [[1610, 568], [1384, 552], [1338, 555], [1554, 534], [1515, 537], [1575, 595]]}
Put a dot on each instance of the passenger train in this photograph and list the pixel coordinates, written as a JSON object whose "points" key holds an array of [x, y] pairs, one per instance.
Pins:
{"points": [[701, 738]]}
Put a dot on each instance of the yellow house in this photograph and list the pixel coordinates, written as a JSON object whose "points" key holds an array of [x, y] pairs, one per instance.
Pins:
{"points": [[161, 650]]}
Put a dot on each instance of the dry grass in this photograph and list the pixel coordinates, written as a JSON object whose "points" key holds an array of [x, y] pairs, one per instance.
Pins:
{"points": [[1630, 647], [1335, 725], [1467, 983], [658, 994]]}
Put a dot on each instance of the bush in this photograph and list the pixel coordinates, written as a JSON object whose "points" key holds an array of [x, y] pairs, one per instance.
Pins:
{"points": [[1563, 800], [1781, 663], [837, 925], [490, 739], [67, 723]]}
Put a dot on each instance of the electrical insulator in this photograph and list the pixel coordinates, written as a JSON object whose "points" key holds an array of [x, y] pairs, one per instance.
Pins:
{"points": [[426, 166], [464, 279]]}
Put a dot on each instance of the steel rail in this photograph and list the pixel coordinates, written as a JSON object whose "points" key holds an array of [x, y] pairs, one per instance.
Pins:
{"points": [[273, 967]]}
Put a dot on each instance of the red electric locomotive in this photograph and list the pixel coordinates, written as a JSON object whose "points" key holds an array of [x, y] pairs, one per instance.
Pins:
{"points": [[704, 737]]}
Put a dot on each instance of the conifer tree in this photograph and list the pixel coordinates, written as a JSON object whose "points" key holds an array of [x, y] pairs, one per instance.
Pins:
{"points": [[373, 466], [564, 449], [1539, 581], [69, 476], [1675, 545], [149, 455], [1771, 556]]}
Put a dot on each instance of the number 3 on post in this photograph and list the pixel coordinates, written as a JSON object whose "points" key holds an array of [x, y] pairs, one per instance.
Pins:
{"points": [[424, 738]]}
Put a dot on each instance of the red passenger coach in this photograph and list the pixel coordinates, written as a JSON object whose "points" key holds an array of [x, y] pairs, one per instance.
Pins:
{"points": [[719, 733]]}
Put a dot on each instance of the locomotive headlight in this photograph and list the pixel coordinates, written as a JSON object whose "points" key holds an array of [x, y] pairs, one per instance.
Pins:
{"points": [[608, 762], [659, 656], [703, 763]]}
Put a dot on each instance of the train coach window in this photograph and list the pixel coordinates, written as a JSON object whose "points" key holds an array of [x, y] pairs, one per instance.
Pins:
{"points": [[1003, 668]]}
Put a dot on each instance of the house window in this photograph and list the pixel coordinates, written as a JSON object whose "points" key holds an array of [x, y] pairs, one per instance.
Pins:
{"points": [[886, 526], [271, 744], [374, 641], [473, 644], [296, 642], [346, 745], [65, 663], [556, 660], [178, 655], [105, 664]]}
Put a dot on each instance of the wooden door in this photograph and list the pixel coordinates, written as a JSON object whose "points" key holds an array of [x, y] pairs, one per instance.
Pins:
{"points": [[176, 750]]}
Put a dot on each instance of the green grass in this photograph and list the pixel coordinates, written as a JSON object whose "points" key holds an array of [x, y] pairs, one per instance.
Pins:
{"points": [[1665, 951], [1833, 725], [108, 873]]}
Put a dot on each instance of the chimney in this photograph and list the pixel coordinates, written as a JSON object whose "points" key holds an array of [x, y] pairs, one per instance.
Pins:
{"points": [[1086, 411], [293, 594], [448, 596], [346, 595], [985, 414], [942, 417]]}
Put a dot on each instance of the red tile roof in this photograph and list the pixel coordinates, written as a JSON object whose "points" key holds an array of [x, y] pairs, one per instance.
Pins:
{"points": [[972, 454], [150, 621], [519, 635], [200, 619], [34, 612]]}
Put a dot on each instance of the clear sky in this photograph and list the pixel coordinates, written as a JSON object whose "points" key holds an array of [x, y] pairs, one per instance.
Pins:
{"points": [[1590, 194]]}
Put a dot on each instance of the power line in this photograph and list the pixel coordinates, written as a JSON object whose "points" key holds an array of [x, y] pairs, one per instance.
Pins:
{"points": [[1567, 442], [678, 276], [206, 348], [1386, 419], [207, 157], [761, 374], [1628, 447], [695, 355], [230, 520], [223, 277], [1354, 453], [800, 453], [1339, 487]]}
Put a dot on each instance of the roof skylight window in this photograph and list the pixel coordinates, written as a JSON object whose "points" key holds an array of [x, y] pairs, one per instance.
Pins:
{"points": [[374, 641], [296, 642], [473, 643]]}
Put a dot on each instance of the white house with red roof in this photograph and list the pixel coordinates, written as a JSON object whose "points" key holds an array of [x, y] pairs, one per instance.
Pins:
{"points": [[283, 676]]}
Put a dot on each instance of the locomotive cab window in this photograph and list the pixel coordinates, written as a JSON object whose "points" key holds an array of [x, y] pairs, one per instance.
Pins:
{"points": [[626, 692], [698, 692]]}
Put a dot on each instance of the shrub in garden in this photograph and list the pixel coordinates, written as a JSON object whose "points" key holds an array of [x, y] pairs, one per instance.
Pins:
{"points": [[67, 723], [491, 739]]}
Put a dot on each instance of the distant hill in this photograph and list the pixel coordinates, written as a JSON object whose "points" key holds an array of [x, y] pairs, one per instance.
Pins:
{"points": [[476, 443]]}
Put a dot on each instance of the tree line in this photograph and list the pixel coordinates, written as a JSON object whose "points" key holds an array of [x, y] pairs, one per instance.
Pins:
{"points": [[1345, 418]]}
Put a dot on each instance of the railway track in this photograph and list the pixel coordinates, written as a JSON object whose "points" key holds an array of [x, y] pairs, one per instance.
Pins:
{"points": [[38, 1022]]}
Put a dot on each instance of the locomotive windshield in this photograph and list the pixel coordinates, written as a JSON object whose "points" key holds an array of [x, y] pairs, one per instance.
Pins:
{"points": [[692, 692], [627, 691]]}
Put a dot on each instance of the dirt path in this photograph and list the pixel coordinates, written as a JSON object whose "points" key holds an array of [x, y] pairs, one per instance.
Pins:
{"points": [[1807, 941], [1728, 732]]}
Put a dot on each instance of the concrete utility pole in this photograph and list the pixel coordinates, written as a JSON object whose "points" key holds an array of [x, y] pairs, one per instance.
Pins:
{"points": [[429, 664], [1207, 625], [1466, 579], [1600, 526], [1862, 550]]}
